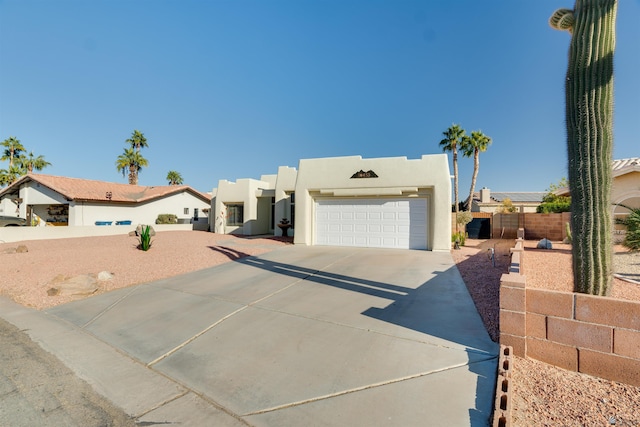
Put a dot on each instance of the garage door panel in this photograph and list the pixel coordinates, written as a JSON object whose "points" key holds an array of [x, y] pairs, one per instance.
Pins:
{"points": [[390, 223]]}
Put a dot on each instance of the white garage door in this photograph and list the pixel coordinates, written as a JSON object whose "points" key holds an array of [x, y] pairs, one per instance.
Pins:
{"points": [[380, 223]]}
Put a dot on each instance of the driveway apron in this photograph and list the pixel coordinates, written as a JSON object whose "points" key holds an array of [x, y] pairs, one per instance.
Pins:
{"points": [[301, 336]]}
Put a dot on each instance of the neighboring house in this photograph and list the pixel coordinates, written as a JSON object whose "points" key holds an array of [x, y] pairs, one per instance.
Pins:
{"points": [[487, 201], [57, 200], [8, 207], [345, 201], [625, 188]]}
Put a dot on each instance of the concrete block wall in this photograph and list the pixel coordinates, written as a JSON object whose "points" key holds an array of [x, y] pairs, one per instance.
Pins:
{"points": [[599, 336], [550, 226], [536, 226]]}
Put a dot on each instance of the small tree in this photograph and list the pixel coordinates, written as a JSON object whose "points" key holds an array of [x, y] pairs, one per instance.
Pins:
{"points": [[506, 206]]}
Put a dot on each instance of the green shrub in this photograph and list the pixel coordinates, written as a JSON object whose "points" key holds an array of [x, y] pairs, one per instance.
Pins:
{"points": [[167, 219], [558, 206], [464, 218], [459, 237]]}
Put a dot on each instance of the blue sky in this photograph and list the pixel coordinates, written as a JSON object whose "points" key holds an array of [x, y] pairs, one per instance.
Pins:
{"points": [[234, 89]]}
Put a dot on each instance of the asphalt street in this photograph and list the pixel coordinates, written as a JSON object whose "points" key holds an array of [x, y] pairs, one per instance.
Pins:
{"points": [[36, 389]]}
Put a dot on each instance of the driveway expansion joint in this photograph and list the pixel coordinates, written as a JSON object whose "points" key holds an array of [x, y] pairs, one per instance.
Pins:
{"points": [[354, 390]]}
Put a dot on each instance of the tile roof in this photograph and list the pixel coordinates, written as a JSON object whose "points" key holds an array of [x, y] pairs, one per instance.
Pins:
{"points": [[623, 164], [90, 190]]}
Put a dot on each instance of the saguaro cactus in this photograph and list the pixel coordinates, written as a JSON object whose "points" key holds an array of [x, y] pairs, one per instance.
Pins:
{"points": [[589, 120]]}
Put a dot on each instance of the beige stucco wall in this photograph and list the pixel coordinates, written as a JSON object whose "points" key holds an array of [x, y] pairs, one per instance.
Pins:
{"points": [[285, 185], [426, 177], [626, 187], [243, 191]]}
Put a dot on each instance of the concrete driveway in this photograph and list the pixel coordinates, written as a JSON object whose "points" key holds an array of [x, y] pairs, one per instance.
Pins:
{"points": [[301, 336]]}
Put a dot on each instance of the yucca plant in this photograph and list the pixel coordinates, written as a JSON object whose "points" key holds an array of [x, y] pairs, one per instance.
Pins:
{"points": [[145, 238]]}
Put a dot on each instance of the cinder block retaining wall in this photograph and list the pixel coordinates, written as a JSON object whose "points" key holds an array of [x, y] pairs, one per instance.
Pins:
{"points": [[536, 225], [594, 335]]}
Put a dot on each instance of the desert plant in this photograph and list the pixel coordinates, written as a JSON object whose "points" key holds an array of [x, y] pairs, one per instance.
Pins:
{"points": [[632, 222], [589, 121], [464, 218], [506, 206], [569, 238], [145, 238], [167, 219], [459, 237]]}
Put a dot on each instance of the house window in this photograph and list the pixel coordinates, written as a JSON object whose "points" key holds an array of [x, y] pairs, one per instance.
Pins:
{"points": [[235, 214], [186, 211], [195, 213], [293, 210]]}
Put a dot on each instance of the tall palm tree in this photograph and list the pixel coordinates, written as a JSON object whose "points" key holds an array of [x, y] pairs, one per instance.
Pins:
{"points": [[131, 161], [10, 175], [452, 139], [12, 150], [473, 146], [174, 178], [29, 163], [137, 140]]}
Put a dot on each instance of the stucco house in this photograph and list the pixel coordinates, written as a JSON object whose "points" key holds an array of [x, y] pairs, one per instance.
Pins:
{"points": [[56, 200], [625, 188], [523, 202], [344, 201]]}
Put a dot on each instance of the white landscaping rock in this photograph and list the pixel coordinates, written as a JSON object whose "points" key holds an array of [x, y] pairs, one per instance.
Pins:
{"points": [[104, 276]]}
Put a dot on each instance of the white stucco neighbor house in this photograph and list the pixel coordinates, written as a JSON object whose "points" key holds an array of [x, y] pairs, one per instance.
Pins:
{"points": [[56, 200], [344, 201]]}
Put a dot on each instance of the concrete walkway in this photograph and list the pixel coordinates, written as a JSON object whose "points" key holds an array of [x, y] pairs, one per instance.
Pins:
{"points": [[313, 336]]}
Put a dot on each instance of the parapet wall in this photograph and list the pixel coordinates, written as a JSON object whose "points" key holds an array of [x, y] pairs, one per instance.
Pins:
{"points": [[595, 335]]}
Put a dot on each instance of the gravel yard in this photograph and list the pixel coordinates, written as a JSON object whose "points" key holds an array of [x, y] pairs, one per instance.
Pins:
{"points": [[544, 395], [26, 277]]}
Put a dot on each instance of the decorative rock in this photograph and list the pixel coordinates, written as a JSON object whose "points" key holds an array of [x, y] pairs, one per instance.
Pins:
{"points": [[78, 285], [139, 228], [544, 244], [133, 233], [104, 275]]}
